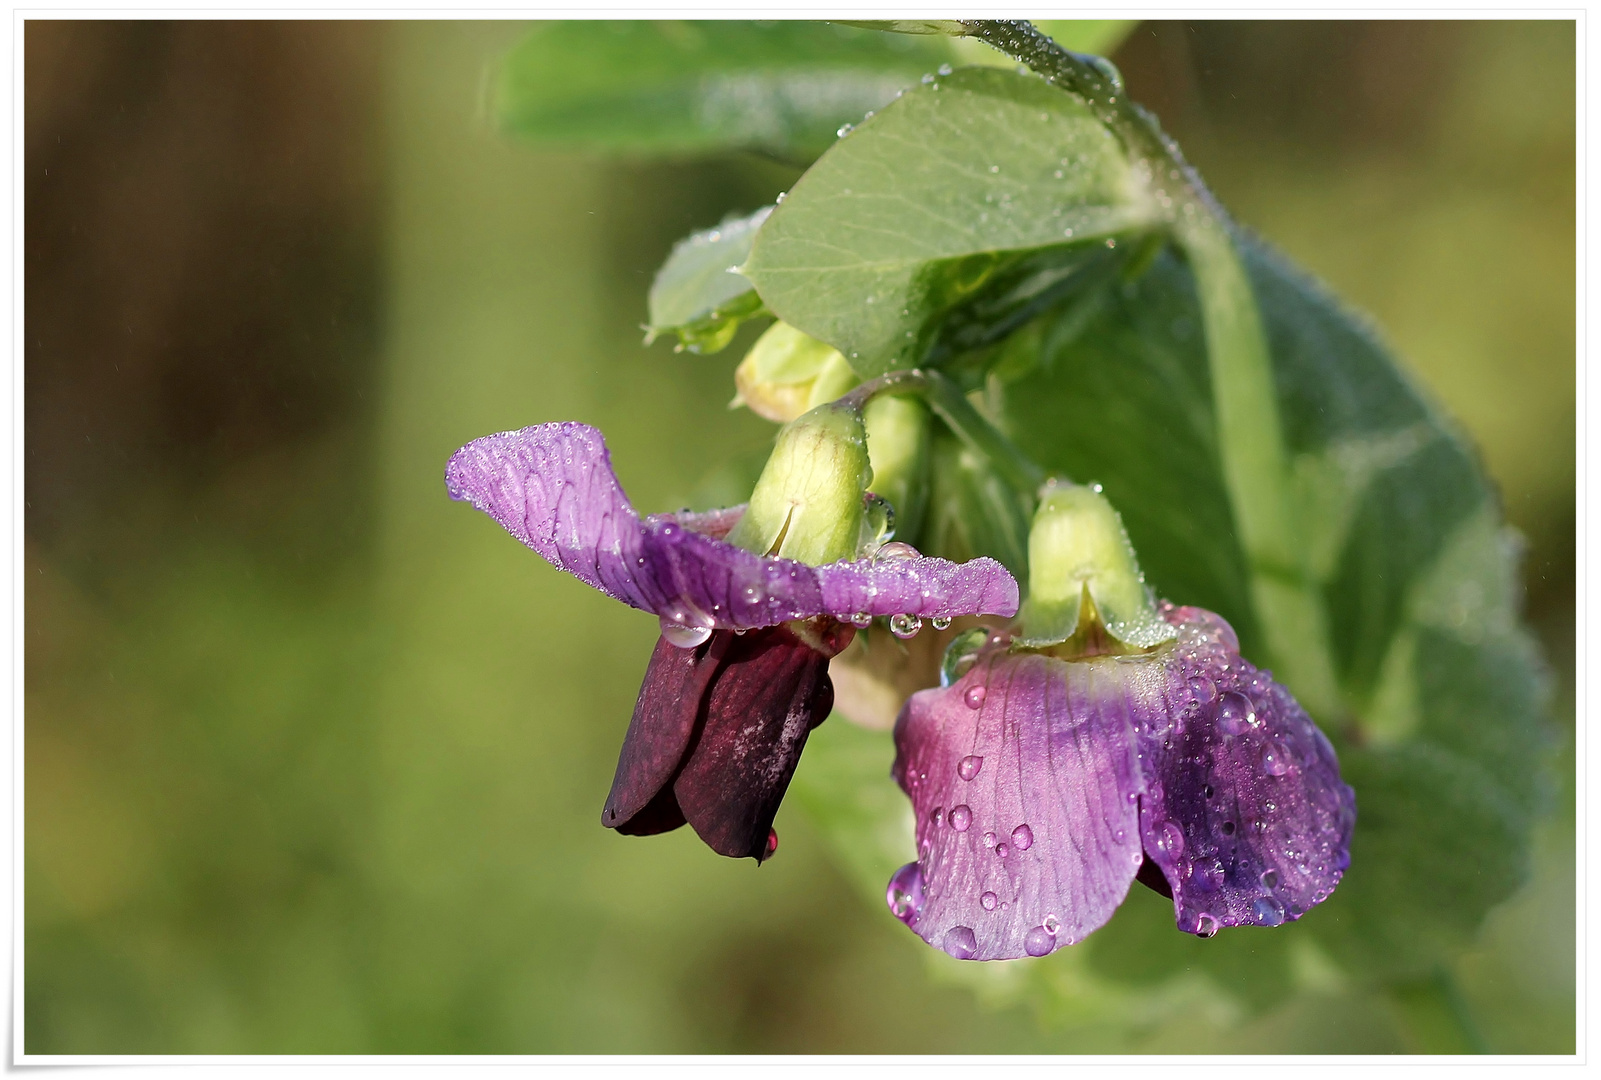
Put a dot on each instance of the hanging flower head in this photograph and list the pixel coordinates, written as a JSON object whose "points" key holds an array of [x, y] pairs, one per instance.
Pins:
{"points": [[753, 602], [1115, 740]]}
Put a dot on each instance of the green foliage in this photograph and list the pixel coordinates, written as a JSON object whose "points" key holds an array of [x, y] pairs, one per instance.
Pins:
{"points": [[698, 295], [981, 188], [782, 88]]}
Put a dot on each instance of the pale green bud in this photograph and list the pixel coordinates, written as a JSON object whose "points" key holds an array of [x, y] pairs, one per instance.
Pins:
{"points": [[897, 444], [1083, 575], [807, 505], [786, 373]]}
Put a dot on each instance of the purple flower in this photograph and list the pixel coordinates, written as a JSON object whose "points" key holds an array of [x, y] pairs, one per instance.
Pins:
{"points": [[740, 675], [1044, 787]]}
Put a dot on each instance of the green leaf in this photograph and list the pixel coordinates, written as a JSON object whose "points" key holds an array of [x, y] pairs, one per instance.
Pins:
{"points": [[1443, 735], [698, 294], [982, 188], [783, 88]]}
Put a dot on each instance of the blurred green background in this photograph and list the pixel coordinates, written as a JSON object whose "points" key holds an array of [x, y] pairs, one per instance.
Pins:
{"points": [[315, 757]]}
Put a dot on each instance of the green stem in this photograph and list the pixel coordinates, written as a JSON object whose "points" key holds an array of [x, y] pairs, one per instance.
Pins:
{"points": [[1256, 475], [952, 406]]}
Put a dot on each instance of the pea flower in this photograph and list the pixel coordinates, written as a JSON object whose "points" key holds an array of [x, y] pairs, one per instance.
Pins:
{"points": [[753, 601], [1116, 739]]}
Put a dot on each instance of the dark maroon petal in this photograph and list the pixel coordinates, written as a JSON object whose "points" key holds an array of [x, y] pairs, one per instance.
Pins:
{"points": [[552, 487], [772, 690], [676, 683], [1245, 812], [1024, 781]]}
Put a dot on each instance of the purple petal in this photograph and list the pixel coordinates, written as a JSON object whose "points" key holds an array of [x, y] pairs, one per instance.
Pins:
{"points": [[1024, 779], [676, 683], [552, 487], [772, 690], [1245, 813]]}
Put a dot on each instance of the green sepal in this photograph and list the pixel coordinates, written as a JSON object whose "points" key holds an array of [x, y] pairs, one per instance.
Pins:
{"points": [[807, 506], [1082, 568], [787, 373]]}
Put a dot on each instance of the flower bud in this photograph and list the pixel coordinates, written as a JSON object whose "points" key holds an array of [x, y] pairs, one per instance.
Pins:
{"points": [[807, 506], [897, 444], [787, 372], [1084, 580]]}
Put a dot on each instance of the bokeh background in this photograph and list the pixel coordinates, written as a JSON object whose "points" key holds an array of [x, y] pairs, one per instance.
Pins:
{"points": [[315, 757]]}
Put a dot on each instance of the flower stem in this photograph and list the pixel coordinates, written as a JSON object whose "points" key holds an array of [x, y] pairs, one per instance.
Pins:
{"points": [[952, 406], [1286, 599]]}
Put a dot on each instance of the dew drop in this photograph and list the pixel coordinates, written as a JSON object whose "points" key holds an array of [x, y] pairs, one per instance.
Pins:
{"points": [[905, 626], [927, 78], [1023, 837], [961, 818], [1235, 713], [1039, 941], [944, 69], [1274, 761], [940, 622], [1267, 911], [969, 766], [753, 594], [989, 839], [1202, 690], [772, 843], [844, 130], [1270, 878], [974, 696], [861, 620], [935, 815], [685, 637], [905, 893], [895, 550], [960, 942], [1002, 850], [1206, 925], [1169, 840], [987, 901], [1228, 828]]}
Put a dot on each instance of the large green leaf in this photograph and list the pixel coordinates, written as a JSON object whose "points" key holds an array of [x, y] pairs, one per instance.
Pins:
{"points": [[691, 87], [1440, 719], [986, 194]]}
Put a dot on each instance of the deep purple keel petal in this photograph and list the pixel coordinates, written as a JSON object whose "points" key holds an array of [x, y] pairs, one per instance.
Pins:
{"points": [[552, 487], [1024, 780], [771, 690], [676, 683], [1245, 812]]}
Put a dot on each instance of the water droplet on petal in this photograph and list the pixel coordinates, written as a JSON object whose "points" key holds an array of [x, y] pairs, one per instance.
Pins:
{"points": [[1235, 713], [1274, 760], [936, 815], [905, 626], [861, 620], [894, 551], [969, 766], [987, 901], [905, 893], [1039, 941], [1202, 690], [685, 637], [989, 839], [960, 942], [940, 622], [772, 843], [1270, 878], [1023, 837], [1002, 850], [1206, 925], [1169, 839], [1267, 911], [961, 818], [975, 696]]}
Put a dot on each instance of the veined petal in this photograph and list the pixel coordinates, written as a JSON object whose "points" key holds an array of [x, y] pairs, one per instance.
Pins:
{"points": [[1024, 780], [552, 487], [1245, 813]]}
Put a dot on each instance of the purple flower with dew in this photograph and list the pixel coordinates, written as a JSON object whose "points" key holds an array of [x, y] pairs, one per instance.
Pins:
{"points": [[1050, 775], [740, 675]]}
